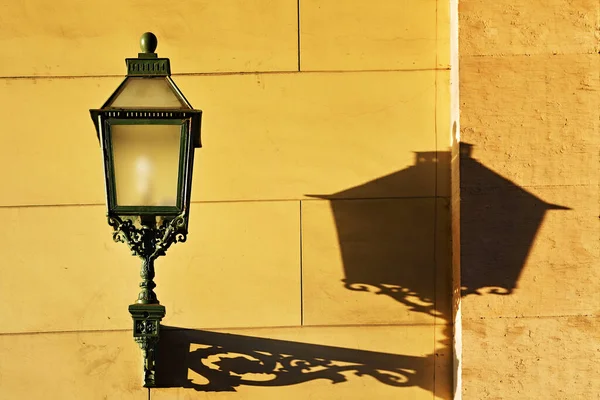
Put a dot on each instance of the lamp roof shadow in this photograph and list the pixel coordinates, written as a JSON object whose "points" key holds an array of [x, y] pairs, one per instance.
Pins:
{"points": [[415, 181], [499, 223], [386, 239]]}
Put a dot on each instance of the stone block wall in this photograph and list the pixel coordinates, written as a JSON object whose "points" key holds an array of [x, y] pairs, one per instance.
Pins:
{"points": [[529, 80], [318, 259]]}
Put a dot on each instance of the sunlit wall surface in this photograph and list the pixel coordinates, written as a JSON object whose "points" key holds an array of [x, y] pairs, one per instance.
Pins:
{"points": [[529, 80], [318, 260]]}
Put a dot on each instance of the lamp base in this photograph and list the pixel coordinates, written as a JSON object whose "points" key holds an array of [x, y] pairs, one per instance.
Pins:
{"points": [[146, 329]]}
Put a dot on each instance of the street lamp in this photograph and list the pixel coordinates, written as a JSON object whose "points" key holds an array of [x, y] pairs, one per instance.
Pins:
{"points": [[148, 132]]}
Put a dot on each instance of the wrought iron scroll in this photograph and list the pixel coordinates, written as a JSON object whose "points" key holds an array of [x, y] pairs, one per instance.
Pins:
{"points": [[149, 241]]}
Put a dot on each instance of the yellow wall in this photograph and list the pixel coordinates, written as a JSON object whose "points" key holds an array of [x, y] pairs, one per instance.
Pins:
{"points": [[320, 226], [529, 81]]}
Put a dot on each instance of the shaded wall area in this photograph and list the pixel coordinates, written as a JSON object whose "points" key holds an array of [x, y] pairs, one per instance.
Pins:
{"points": [[386, 276], [208, 361], [529, 81], [499, 224], [373, 267]]}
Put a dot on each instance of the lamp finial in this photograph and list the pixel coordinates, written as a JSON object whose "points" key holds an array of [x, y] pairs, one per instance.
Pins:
{"points": [[148, 43]]}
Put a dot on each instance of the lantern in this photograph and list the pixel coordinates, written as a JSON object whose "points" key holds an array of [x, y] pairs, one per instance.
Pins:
{"points": [[148, 132]]}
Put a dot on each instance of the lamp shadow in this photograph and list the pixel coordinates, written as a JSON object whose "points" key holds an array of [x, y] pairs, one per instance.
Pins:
{"points": [[386, 245], [226, 361], [390, 246], [498, 225]]}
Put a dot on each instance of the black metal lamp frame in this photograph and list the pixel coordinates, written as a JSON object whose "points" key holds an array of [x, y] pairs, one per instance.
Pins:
{"points": [[149, 230]]}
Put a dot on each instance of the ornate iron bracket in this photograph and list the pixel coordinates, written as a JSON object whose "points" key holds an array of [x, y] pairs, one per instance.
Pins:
{"points": [[148, 242]]}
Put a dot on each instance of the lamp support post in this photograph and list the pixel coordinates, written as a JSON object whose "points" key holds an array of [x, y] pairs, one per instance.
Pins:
{"points": [[147, 295], [148, 243]]}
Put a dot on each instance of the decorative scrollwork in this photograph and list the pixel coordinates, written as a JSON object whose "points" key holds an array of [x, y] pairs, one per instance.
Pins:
{"points": [[170, 232], [149, 242], [146, 327]]}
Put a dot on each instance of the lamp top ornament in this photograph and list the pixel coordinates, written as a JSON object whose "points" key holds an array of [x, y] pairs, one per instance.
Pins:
{"points": [[147, 62], [148, 43]]}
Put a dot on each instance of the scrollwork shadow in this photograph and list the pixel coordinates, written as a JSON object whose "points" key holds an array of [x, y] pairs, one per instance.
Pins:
{"points": [[228, 361]]}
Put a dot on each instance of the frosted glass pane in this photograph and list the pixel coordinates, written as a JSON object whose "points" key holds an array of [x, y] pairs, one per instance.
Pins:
{"points": [[147, 93], [146, 164]]}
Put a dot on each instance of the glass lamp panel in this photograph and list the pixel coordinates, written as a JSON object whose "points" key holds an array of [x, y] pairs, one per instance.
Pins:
{"points": [[155, 92], [146, 164]]}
